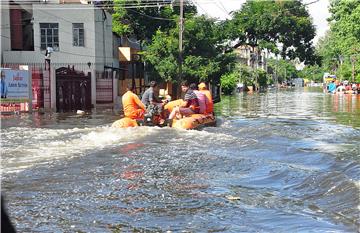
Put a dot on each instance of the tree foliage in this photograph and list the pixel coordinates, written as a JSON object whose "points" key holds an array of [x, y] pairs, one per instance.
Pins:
{"points": [[228, 82], [267, 24], [245, 75], [282, 70], [202, 58], [314, 73], [143, 22], [340, 47]]}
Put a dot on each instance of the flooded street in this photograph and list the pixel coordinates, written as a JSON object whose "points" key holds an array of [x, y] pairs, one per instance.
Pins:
{"points": [[281, 161]]}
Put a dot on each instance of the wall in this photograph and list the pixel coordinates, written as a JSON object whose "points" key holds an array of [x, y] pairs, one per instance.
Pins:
{"points": [[5, 43], [98, 49], [65, 15], [104, 41]]}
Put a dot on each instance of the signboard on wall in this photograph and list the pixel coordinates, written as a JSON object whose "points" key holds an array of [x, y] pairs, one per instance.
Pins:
{"points": [[15, 85]]}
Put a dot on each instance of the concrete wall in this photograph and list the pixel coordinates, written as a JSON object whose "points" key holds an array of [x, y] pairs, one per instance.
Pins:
{"points": [[104, 40], [98, 46], [98, 40], [5, 42]]}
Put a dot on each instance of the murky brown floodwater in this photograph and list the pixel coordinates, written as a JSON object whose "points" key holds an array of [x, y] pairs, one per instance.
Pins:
{"points": [[281, 161]]}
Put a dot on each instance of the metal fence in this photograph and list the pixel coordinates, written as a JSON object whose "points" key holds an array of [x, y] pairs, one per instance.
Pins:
{"points": [[104, 87]]}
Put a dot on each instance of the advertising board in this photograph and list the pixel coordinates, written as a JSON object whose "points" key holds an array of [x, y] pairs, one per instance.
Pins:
{"points": [[15, 85]]}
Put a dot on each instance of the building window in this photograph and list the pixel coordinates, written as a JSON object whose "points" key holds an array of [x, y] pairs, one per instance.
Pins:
{"points": [[49, 33], [78, 34]]}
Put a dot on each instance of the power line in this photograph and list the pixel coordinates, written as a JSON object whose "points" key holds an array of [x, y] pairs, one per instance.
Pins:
{"points": [[89, 6], [223, 7], [3, 2], [195, 3]]}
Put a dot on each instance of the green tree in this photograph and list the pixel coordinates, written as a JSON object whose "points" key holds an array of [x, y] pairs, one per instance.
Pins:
{"points": [[340, 48], [136, 19], [282, 70], [202, 58], [228, 82], [314, 73], [261, 78], [266, 24], [245, 74]]}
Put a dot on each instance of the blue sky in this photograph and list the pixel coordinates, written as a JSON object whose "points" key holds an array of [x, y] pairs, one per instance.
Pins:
{"points": [[221, 8]]}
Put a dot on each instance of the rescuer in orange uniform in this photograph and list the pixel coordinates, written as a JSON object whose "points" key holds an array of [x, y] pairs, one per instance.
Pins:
{"points": [[210, 104], [133, 107]]}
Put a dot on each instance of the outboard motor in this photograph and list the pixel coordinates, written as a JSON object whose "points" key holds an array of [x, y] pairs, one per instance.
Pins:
{"points": [[152, 115]]}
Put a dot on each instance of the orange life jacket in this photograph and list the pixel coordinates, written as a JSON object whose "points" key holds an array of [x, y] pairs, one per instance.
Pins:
{"points": [[210, 104], [133, 107]]}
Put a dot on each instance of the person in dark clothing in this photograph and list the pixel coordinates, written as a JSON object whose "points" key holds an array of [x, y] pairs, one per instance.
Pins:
{"points": [[154, 106], [190, 105], [150, 96]]}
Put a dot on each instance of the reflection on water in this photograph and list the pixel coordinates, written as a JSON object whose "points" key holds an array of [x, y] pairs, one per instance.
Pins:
{"points": [[285, 161], [311, 103]]}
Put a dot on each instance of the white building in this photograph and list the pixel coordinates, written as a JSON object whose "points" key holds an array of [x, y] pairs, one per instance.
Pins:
{"points": [[80, 36], [252, 57]]}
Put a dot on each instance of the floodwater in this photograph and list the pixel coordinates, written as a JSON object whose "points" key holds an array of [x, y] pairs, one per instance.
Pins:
{"points": [[281, 161]]}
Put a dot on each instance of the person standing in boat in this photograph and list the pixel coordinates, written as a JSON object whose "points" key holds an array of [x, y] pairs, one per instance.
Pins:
{"points": [[210, 103], [133, 107], [190, 105]]}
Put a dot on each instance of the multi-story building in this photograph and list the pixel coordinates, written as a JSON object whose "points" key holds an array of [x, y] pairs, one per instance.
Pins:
{"points": [[81, 68], [252, 57]]}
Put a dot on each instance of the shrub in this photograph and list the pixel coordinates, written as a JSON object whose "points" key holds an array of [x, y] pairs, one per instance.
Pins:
{"points": [[228, 82]]}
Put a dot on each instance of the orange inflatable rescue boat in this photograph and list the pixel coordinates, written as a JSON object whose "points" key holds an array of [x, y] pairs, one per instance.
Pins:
{"points": [[194, 121]]}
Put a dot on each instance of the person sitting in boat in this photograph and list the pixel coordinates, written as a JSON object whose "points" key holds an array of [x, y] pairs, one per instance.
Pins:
{"points": [[341, 88], [331, 87], [210, 104], [354, 87], [133, 107], [154, 106], [190, 105], [201, 97], [348, 88], [150, 96]]}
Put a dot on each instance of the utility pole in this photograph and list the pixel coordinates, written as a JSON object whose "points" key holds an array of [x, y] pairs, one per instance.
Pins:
{"points": [[353, 60], [181, 29]]}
